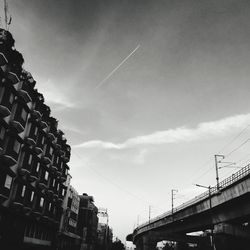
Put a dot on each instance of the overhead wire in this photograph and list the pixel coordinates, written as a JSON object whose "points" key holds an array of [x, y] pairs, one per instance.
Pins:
{"points": [[113, 183], [220, 151], [237, 148]]}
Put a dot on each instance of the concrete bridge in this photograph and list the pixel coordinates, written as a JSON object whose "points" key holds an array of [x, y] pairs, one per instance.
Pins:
{"points": [[223, 214]]}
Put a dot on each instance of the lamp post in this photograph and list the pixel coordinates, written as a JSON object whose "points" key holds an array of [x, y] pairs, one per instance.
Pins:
{"points": [[210, 207]]}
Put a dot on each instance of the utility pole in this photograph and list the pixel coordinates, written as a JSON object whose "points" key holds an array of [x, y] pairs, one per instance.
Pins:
{"points": [[173, 191], [216, 169], [210, 207]]}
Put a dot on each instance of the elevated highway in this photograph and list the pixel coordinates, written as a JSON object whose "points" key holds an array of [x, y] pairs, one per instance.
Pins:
{"points": [[223, 213]]}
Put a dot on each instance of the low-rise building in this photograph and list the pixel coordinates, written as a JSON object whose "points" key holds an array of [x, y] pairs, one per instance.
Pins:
{"points": [[87, 222], [104, 237], [68, 237]]}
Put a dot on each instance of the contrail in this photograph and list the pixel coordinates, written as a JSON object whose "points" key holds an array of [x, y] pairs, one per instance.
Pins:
{"points": [[117, 67]]}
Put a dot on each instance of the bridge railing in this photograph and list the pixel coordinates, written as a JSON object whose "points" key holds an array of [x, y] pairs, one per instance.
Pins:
{"points": [[223, 184]]}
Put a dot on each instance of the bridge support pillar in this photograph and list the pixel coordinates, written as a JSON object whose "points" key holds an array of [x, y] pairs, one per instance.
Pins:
{"points": [[146, 243], [231, 237]]}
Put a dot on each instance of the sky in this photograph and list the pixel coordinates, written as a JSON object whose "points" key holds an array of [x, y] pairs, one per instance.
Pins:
{"points": [[146, 91]]}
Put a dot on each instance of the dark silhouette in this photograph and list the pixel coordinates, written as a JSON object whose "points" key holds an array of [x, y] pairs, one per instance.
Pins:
{"points": [[117, 245]]}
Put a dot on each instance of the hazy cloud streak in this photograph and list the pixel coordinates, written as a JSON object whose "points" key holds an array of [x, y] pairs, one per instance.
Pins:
{"points": [[117, 67], [182, 134], [53, 95]]}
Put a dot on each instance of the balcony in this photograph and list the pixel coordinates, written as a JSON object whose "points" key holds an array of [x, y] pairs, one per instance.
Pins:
{"points": [[3, 131], [49, 192], [11, 150], [6, 100], [53, 169], [39, 207], [67, 152], [36, 114], [3, 60], [51, 136], [48, 212], [3, 198], [28, 200], [14, 79], [19, 199], [24, 91], [43, 124], [52, 130], [40, 142], [6, 181], [63, 178], [27, 159], [34, 170], [31, 138], [48, 153], [55, 196], [19, 118], [16, 60], [43, 184], [23, 174]]}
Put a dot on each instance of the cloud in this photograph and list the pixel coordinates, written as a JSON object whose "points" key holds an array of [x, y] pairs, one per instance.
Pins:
{"points": [[181, 134], [53, 95]]}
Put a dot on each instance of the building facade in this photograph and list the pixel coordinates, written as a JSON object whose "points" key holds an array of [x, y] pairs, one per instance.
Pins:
{"points": [[87, 222], [68, 234], [33, 158], [104, 236]]}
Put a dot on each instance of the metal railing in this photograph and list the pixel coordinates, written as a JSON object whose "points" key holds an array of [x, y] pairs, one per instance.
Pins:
{"points": [[243, 172]]}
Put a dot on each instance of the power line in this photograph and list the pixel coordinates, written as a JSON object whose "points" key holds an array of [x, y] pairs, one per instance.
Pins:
{"points": [[234, 138], [246, 141], [225, 146], [113, 183]]}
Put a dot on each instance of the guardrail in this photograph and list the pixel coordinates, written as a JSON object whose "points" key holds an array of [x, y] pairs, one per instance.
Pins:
{"points": [[223, 184]]}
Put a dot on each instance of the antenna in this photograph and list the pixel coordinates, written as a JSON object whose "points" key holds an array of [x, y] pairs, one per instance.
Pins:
{"points": [[6, 19]]}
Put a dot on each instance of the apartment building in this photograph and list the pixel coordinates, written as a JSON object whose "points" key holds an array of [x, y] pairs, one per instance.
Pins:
{"points": [[68, 234], [33, 158]]}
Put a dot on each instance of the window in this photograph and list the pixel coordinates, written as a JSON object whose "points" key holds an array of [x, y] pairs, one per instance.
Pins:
{"points": [[53, 184], [41, 202], [23, 114], [32, 196], [16, 146], [2, 133], [23, 191], [8, 181], [11, 98], [49, 206], [30, 159], [51, 150], [63, 191], [38, 167], [46, 176]]}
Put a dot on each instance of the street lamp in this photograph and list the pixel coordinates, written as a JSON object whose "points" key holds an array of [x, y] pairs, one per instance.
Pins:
{"points": [[210, 207]]}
